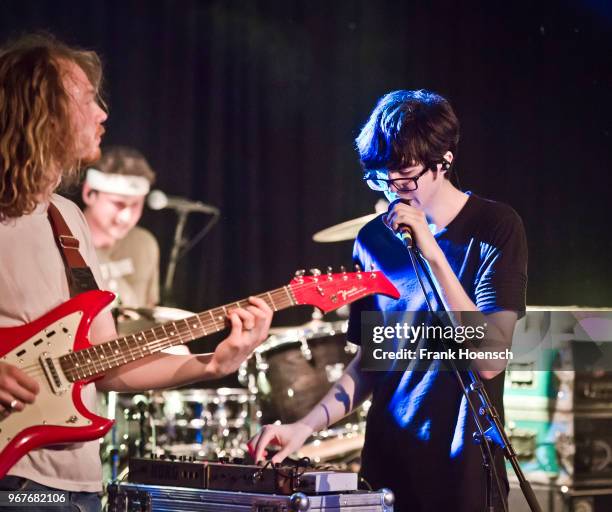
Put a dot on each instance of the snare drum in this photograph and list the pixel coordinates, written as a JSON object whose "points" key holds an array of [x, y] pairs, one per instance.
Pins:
{"points": [[292, 370], [205, 422]]}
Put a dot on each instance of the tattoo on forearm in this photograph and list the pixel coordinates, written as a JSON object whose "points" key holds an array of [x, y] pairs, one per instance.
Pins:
{"points": [[327, 420], [343, 397]]}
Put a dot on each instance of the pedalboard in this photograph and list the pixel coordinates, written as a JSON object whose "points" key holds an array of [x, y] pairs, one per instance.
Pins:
{"points": [[238, 477]]}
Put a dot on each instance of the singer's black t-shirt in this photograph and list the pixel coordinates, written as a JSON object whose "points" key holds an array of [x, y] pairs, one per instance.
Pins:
{"points": [[419, 431]]}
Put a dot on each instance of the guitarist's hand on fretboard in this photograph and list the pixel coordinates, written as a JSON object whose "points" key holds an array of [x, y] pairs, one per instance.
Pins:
{"points": [[249, 328]]}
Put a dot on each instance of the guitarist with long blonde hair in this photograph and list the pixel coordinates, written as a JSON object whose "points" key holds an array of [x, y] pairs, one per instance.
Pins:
{"points": [[51, 124]]}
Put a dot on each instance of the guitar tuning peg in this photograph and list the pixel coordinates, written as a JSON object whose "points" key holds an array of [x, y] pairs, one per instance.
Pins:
{"points": [[358, 270], [372, 271], [329, 270], [300, 273], [343, 269], [315, 272], [329, 274]]}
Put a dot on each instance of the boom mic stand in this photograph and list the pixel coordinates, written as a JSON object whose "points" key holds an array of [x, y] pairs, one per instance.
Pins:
{"points": [[494, 433], [177, 244], [180, 247]]}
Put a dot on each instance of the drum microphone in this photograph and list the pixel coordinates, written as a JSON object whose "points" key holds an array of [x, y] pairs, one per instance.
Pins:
{"points": [[157, 200]]}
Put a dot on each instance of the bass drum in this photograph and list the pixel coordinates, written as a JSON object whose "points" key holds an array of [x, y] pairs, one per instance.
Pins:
{"points": [[294, 368]]}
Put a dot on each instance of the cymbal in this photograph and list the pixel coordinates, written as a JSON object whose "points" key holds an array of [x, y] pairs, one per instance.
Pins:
{"points": [[344, 231]]}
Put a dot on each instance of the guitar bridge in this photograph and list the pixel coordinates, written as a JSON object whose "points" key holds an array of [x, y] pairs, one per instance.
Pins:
{"points": [[51, 372]]}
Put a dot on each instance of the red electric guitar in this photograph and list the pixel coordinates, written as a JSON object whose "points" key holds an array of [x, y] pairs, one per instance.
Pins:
{"points": [[55, 351]]}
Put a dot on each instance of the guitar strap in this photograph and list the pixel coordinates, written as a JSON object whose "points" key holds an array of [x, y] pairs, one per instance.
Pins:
{"points": [[80, 277]]}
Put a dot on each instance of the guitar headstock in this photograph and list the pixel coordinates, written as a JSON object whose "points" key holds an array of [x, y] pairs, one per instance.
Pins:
{"points": [[330, 291]]}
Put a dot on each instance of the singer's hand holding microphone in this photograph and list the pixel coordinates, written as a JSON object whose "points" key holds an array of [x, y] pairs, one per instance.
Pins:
{"points": [[411, 224]]}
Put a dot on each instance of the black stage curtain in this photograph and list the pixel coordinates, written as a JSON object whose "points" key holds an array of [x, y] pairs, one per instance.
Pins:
{"points": [[252, 106]]}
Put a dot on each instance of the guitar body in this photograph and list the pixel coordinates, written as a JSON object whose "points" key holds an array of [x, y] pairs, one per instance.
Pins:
{"points": [[55, 351], [58, 414]]}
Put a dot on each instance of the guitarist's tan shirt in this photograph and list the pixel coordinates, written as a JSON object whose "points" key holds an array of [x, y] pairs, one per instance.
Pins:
{"points": [[32, 282]]}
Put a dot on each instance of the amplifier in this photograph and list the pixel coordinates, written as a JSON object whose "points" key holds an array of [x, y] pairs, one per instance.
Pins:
{"points": [[527, 386], [562, 447], [562, 361], [129, 497], [555, 498]]}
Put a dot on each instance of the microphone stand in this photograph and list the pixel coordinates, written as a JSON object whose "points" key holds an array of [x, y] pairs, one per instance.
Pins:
{"points": [[181, 246], [177, 244], [494, 434]]}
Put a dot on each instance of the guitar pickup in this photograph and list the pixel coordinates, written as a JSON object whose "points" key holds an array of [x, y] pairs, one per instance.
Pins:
{"points": [[51, 373]]}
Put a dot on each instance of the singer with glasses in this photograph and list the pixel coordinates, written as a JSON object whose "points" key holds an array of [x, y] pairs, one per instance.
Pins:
{"points": [[419, 429]]}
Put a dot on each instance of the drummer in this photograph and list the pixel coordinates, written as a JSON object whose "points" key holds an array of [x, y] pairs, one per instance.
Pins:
{"points": [[113, 193]]}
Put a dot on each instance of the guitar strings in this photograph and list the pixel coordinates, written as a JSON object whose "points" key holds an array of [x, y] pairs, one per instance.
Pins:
{"points": [[184, 334], [169, 341], [209, 325]]}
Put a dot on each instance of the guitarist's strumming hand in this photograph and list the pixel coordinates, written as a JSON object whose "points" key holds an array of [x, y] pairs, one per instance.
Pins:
{"points": [[249, 327], [16, 389]]}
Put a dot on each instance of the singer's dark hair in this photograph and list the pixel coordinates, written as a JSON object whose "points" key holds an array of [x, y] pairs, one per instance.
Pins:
{"points": [[124, 160], [408, 128]]}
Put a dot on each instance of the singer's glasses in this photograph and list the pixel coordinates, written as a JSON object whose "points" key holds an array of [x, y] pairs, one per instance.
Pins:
{"points": [[376, 181]]}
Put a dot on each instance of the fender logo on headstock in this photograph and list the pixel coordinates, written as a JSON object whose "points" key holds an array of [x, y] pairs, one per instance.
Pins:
{"points": [[350, 292]]}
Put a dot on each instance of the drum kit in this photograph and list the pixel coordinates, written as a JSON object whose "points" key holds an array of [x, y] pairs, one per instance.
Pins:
{"points": [[283, 380]]}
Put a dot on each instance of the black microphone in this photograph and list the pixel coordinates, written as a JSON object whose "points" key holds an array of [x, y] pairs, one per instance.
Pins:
{"points": [[157, 200]]}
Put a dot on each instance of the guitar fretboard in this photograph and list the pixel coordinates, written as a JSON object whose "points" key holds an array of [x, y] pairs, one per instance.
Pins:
{"points": [[99, 359]]}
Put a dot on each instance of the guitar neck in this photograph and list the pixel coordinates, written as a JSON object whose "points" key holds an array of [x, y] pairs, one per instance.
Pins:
{"points": [[99, 359]]}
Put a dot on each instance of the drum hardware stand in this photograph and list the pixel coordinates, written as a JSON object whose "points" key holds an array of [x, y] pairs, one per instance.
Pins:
{"points": [[495, 433], [262, 367], [113, 449], [142, 408], [304, 348]]}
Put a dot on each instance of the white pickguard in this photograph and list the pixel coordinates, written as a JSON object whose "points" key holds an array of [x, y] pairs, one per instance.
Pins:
{"points": [[50, 407]]}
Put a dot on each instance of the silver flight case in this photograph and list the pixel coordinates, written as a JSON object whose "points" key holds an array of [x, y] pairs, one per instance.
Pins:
{"points": [[130, 497]]}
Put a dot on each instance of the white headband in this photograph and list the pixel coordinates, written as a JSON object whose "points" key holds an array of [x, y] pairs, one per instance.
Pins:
{"points": [[126, 185]]}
